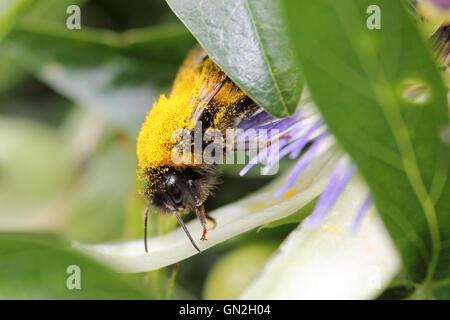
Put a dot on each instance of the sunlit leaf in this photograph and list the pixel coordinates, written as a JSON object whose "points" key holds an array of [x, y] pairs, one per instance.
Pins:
{"points": [[358, 78]]}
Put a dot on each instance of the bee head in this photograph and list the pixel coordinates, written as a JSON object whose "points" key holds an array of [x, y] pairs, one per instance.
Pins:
{"points": [[176, 190]]}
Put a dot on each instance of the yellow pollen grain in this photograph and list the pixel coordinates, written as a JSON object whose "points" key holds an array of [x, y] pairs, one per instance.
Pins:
{"points": [[251, 209], [289, 194], [369, 249], [260, 206]]}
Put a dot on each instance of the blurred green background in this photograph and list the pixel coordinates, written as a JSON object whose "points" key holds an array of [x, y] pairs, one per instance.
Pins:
{"points": [[71, 106]]}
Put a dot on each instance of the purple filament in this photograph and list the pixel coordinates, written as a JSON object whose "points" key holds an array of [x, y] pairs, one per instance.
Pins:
{"points": [[442, 4], [301, 143], [301, 165], [334, 188], [256, 120], [262, 155], [360, 214], [288, 145]]}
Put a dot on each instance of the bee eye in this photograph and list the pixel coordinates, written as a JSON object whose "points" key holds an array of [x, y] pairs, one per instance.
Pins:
{"points": [[174, 192], [176, 195]]}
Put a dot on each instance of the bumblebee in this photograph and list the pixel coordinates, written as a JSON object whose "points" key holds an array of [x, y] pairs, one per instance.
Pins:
{"points": [[203, 93]]}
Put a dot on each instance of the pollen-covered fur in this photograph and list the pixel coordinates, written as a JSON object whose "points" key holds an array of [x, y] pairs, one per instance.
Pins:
{"points": [[201, 93]]}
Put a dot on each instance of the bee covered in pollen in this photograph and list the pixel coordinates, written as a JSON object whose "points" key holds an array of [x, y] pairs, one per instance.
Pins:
{"points": [[201, 93]]}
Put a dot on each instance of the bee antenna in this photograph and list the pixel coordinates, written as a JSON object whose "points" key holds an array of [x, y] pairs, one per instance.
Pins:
{"points": [[180, 221], [145, 227]]}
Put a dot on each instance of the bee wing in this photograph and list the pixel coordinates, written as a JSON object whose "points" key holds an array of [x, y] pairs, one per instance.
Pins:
{"points": [[211, 83], [195, 57], [207, 92]]}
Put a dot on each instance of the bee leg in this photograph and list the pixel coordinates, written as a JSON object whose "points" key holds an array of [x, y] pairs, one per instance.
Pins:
{"points": [[200, 212], [199, 209], [193, 191], [211, 220], [145, 227]]}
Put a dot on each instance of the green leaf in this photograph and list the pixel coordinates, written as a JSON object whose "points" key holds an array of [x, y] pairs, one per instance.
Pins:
{"points": [[50, 10], [358, 78], [10, 10], [165, 45], [246, 39], [38, 270], [117, 75]]}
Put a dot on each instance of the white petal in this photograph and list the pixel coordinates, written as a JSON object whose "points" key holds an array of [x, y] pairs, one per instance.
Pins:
{"points": [[328, 262], [236, 218]]}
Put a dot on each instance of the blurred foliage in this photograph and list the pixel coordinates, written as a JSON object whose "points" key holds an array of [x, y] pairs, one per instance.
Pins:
{"points": [[236, 270], [40, 270]]}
